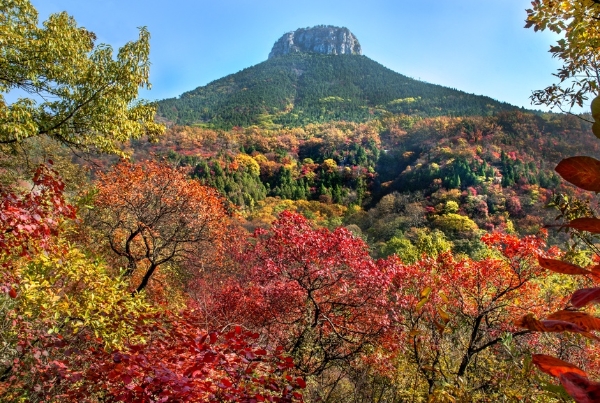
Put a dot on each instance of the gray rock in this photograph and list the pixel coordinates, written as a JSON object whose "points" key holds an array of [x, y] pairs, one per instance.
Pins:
{"points": [[322, 39]]}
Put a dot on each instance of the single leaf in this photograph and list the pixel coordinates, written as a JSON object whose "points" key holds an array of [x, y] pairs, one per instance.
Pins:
{"points": [[582, 319], [595, 270], [584, 296], [595, 108], [421, 303], [213, 338], [554, 366], [588, 224], [444, 297], [12, 293], [553, 326], [444, 315], [580, 387], [425, 293], [564, 326], [440, 326], [225, 383], [596, 129], [581, 171], [530, 322], [559, 266]]}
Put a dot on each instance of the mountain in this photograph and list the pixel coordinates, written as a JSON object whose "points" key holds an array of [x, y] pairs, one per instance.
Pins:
{"points": [[317, 75], [322, 39]]}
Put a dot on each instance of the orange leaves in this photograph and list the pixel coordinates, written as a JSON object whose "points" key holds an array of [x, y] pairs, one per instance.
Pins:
{"points": [[530, 322], [553, 366], [572, 378], [582, 319], [151, 213], [581, 171], [585, 224]]}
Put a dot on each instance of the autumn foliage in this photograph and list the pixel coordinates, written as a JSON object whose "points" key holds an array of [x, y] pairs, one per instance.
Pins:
{"points": [[29, 219], [316, 292], [583, 172], [151, 214], [182, 362]]}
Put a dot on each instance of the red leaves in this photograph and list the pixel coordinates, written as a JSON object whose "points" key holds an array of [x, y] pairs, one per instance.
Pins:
{"points": [[585, 296], [12, 293], [30, 219], [581, 171], [183, 363], [553, 366], [300, 281], [573, 379], [529, 322], [585, 224], [580, 387], [559, 266]]}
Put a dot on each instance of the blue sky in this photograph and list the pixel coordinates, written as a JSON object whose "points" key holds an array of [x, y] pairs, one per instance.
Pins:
{"points": [[477, 46]]}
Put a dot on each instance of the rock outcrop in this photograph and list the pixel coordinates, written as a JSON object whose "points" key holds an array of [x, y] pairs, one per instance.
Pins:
{"points": [[322, 39]]}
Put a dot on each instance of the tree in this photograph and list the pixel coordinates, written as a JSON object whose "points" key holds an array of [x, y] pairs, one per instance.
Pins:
{"points": [[184, 363], [315, 292], [450, 316], [80, 95], [28, 220], [578, 50], [152, 214], [54, 298]]}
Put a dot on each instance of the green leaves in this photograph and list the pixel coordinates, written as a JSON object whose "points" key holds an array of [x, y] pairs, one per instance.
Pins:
{"points": [[89, 98], [577, 22]]}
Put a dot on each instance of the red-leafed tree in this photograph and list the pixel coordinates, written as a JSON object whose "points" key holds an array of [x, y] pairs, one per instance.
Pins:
{"points": [[183, 363], [316, 292], [34, 215], [152, 214], [452, 314]]}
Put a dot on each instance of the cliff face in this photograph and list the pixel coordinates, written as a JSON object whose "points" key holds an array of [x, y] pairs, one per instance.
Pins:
{"points": [[322, 39]]}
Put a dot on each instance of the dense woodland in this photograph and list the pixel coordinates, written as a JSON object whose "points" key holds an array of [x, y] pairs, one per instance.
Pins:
{"points": [[298, 89], [432, 248]]}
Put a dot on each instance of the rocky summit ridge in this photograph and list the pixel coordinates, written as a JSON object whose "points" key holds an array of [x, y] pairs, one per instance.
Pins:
{"points": [[322, 39]]}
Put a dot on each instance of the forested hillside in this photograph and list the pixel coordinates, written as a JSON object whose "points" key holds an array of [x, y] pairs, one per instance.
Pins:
{"points": [[346, 235], [459, 176], [298, 89]]}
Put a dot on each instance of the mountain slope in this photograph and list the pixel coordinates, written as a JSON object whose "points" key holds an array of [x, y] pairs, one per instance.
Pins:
{"points": [[297, 89]]}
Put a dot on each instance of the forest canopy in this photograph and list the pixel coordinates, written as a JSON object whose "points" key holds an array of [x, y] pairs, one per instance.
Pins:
{"points": [[441, 249]]}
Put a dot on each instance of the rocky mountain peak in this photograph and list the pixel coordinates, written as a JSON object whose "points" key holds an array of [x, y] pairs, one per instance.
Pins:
{"points": [[323, 39]]}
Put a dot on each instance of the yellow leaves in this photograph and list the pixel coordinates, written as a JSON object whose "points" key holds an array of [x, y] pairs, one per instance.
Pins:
{"points": [[66, 292], [91, 102], [444, 315], [424, 298]]}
